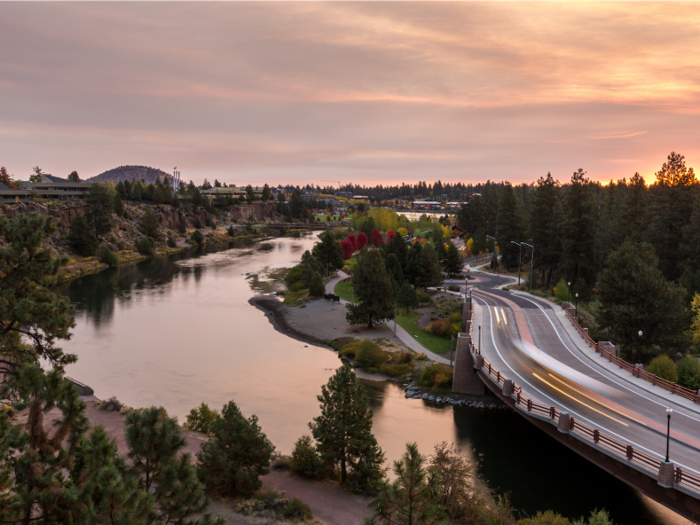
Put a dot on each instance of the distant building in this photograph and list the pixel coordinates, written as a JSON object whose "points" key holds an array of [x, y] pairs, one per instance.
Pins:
{"points": [[344, 194], [236, 192], [49, 187]]}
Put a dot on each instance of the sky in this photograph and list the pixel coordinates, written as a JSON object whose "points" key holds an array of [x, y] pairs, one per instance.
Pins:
{"points": [[369, 92]]}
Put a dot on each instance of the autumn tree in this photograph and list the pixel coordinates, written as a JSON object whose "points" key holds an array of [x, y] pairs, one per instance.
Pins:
{"points": [[6, 178]]}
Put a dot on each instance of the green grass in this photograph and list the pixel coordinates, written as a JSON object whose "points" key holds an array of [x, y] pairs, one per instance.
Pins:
{"points": [[343, 290], [435, 344], [324, 218]]}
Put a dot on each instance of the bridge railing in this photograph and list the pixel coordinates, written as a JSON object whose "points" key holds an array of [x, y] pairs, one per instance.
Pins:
{"points": [[636, 371], [688, 479]]}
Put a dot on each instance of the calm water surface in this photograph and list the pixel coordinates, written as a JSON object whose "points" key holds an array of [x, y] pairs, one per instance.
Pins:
{"points": [[178, 331]]}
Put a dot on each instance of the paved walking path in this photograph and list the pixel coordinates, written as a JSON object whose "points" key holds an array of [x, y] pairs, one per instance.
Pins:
{"points": [[401, 334]]}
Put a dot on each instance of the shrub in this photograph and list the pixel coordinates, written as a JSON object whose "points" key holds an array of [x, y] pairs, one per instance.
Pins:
{"points": [[446, 306], [396, 369], [350, 350], [306, 460], [107, 256], [436, 375], [561, 290], [149, 224], [664, 367], [200, 418], [146, 246], [182, 225], [421, 356], [171, 243], [197, 223], [282, 463], [198, 237], [231, 231], [208, 222], [299, 285], [295, 509], [689, 372], [423, 298], [369, 355], [111, 405], [294, 275]]}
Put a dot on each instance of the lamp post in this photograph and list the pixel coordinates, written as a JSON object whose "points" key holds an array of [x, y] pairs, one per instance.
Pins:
{"points": [[568, 286], [479, 340], [639, 351], [532, 262], [494, 242], [520, 258], [669, 411], [576, 306]]}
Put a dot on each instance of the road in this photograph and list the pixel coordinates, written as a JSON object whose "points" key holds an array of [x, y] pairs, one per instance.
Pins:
{"points": [[555, 372]]}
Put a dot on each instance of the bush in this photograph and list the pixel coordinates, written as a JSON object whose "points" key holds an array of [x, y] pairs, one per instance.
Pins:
{"points": [[198, 237], [208, 222], [689, 372], [561, 290], [201, 418], [423, 298], [305, 458], [350, 350], [231, 231], [664, 367], [446, 306], [111, 405], [171, 243], [293, 275], [197, 223], [436, 375], [396, 369], [317, 288], [369, 355], [299, 285], [295, 509], [146, 246], [282, 463], [107, 256], [149, 224], [182, 225]]}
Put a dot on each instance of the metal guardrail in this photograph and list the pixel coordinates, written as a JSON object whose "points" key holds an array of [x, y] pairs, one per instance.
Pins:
{"points": [[682, 477], [670, 386]]}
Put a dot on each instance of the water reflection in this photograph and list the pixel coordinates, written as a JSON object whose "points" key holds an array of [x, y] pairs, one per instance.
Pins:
{"points": [[177, 331]]}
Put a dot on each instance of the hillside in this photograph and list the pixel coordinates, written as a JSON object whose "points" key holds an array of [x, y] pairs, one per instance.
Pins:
{"points": [[124, 173]]}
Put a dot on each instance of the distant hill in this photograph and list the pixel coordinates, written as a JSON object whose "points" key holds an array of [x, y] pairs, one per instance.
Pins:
{"points": [[124, 173]]}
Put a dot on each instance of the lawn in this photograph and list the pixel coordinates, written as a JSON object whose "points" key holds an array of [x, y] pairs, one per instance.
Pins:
{"points": [[343, 290], [438, 345]]}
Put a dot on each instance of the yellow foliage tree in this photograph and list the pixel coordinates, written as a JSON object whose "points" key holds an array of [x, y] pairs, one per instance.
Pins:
{"points": [[470, 243], [402, 232], [695, 305]]}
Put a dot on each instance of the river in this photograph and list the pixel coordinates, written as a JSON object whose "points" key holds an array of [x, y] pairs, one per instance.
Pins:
{"points": [[177, 331]]}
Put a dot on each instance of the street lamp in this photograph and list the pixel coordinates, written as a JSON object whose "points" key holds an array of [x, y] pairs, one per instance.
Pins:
{"points": [[494, 242], [520, 258], [479, 340], [639, 351], [532, 262], [569, 290], [669, 411], [576, 306]]}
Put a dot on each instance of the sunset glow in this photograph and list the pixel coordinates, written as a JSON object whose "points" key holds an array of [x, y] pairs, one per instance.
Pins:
{"points": [[363, 92]]}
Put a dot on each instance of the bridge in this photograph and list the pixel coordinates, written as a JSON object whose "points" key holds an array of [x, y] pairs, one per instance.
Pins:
{"points": [[533, 356]]}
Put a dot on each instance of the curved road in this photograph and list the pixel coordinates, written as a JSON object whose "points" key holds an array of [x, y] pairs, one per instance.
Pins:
{"points": [[555, 372]]}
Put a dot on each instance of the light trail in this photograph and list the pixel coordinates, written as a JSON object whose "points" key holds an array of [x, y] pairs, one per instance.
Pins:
{"points": [[550, 385]]}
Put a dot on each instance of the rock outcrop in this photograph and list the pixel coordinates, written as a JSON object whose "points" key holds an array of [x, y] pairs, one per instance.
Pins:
{"points": [[62, 216]]}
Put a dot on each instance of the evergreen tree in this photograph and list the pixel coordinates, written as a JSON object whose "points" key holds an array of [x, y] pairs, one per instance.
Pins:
{"points": [[81, 237], [197, 198], [29, 308], [509, 227], [635, 296], [407, 296], [393, 266], [118, 205], [452, 263], [231, 231], [163, 470], [266, 193], [249, 193], [671, 207], [99, 204], [430, 270], [343, 432], [578, 231], [413, 269], [149, 224], [374, 291], [238, 452], [398, 247], [73, 177], [198, 237], [368, 226], [413, 498], [182, 226], [544, 224], [316, 286], [328, 253]]}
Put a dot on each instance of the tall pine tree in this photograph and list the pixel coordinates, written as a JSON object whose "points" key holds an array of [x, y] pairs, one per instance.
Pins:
{"points": [[510, 227], [545, 216], [374, 291], [578, 260]]}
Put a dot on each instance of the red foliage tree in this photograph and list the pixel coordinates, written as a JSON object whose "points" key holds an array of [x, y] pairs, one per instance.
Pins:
{"points": [[361, 240], [5, 178], [347, 248], [390, 235], [376, 238], [353, 241]]}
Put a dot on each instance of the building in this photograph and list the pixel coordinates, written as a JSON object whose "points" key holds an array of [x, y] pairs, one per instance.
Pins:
{"points": [[236, 192], [49, 187]]}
